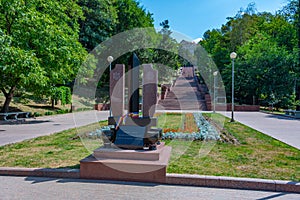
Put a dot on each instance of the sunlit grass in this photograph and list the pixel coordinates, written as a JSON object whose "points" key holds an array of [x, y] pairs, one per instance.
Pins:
{"points": [[257, 155], [63, 149]]}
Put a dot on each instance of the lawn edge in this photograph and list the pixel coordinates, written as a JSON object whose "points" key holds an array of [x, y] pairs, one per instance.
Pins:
{"points": [[171, 179]]}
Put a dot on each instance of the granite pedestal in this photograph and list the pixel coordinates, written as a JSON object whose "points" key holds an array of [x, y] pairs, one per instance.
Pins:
{"points": [[127, 165]]}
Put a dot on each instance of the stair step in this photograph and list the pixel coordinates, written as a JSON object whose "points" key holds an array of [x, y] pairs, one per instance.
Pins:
{"points": [[186, 94]]}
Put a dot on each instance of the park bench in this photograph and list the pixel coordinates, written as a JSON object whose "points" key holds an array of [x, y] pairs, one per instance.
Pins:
{"points": [[14, 115], [293, 113]]}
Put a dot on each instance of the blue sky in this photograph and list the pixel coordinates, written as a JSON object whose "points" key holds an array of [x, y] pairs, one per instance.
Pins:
{"points": [[194, 17]]}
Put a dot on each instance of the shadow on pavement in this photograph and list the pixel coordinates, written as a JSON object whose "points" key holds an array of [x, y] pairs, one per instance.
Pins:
{"points": [[36, 180], [274, 116], [109, 182], [22, 122], [273, 196]]}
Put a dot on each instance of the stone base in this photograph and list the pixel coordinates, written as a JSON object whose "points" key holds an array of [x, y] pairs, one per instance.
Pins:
{"points": [[117, 153], [127, 165], [143, 121]]}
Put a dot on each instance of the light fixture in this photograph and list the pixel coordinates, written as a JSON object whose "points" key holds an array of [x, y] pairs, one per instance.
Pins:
{"points": [[233, 55]]}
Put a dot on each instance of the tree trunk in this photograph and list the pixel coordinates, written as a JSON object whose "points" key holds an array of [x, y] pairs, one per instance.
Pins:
{"points": [[52, 103], [8, 97]]}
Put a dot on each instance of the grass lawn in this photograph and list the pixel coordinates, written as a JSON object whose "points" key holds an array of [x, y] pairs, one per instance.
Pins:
{"points": [[257, 155], [58, 150], [43, 107]]}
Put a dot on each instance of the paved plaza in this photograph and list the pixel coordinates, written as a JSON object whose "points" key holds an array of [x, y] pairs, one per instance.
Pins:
{"points": [[31, 128], [282, 128], [49, 188]]}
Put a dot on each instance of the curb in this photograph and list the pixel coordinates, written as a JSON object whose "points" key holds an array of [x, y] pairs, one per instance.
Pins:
{"points": [[41, 172], [233, 183], [278, 114], [172, 179]]}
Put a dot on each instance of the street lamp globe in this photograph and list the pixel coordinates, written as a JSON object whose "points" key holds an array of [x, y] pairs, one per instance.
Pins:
{"points": [[215, 73], [233, 55], [110, 59]]}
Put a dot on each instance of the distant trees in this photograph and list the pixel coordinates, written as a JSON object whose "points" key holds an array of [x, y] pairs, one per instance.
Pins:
{"points": [[267, 46], [105, 18]]}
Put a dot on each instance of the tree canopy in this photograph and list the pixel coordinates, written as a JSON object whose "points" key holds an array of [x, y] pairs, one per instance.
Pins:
{"points": [[267, 65], [44, 43], [40, 48]]}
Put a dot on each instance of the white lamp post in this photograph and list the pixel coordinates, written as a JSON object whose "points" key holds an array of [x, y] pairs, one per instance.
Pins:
{"points": [[232, 56], [215, 80], [110, 59]]}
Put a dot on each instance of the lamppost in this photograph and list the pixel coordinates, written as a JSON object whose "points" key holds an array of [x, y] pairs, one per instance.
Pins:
{"points": [[110, 59], [215, 80], [232, 56]]}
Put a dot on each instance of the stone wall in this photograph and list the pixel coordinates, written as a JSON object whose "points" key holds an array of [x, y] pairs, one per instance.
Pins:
{"points": [[253, 108]]}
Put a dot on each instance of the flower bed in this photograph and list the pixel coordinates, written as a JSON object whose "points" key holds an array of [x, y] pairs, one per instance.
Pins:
{"points": [[205, 131]]}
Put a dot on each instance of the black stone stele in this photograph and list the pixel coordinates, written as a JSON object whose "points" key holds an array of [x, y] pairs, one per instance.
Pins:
{"points": [[133, 84], [133, 131]]}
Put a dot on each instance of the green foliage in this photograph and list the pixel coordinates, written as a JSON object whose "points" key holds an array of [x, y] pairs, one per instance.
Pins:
{"points": [[267, 47], [99, 22], [36, 114], [263, 68], [62, 94], [105, 18], [131, 15], [40, 45], [48, 113], [63, 111], [18, 66]]}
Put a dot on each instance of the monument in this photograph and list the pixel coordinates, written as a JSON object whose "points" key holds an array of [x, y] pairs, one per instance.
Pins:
{"points": [[132, 150]]}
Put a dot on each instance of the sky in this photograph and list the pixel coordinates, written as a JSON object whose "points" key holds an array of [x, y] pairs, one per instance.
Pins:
{"points": [[193, 17]]}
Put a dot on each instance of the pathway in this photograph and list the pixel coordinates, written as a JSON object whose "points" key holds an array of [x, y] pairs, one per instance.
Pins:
{"points": [[31, 128], [185, 94], [280, 127], [49, 188]]}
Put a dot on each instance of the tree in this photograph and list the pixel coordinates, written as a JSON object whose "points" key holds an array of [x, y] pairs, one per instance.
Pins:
{"points": [[291, 12], [165, 41], [131, 15], [18, 67], [263, 71], [100, 20], [41, 48], [267, 64]]}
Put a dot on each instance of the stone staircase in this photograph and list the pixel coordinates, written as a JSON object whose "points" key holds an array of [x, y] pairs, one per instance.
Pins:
{"points": [[185, 94]]}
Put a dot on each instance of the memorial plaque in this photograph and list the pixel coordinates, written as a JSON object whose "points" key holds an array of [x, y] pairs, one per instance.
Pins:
{"points": [[130, 137]]}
